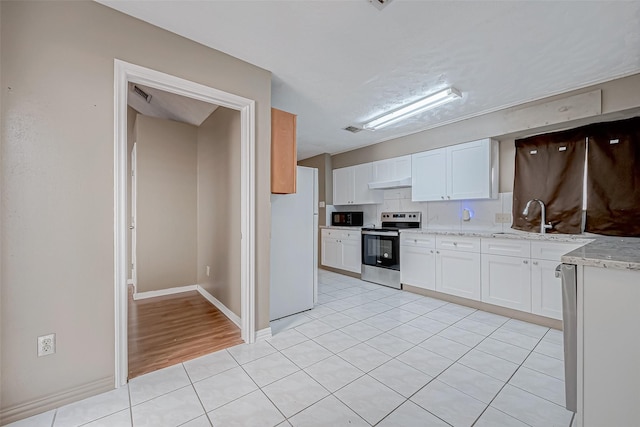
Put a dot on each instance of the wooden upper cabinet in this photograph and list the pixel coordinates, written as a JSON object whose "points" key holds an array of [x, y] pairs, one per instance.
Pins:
{"points": [[283, 152]]}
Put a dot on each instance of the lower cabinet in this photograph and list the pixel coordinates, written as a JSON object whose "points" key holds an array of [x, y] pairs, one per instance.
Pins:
{"points": [[341, 249], [418, 261], [513, 273], [546, 289], [458, 273], [506, 281], [351, 255]]}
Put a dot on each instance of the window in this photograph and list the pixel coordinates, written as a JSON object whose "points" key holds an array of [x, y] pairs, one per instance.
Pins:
{"points": [[550, 168], [594, 168]]}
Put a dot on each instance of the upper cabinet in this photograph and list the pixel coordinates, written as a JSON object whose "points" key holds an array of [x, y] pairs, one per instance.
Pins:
{"points": [[351, 186], [459, 172], [283, 152], [391, 173]]}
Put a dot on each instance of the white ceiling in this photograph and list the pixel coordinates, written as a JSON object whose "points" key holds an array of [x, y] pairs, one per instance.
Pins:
{"points": [[166, 105], [342, 62]]}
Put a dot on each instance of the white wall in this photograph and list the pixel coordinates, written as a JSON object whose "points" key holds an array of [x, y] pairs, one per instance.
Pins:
{"points": [[441, 215]]}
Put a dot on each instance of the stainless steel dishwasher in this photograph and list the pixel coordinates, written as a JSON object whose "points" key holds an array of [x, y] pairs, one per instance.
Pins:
{"points": [[567, 272]]}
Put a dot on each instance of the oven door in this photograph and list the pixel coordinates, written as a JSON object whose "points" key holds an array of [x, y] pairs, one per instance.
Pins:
{"points": [[381, 249]]}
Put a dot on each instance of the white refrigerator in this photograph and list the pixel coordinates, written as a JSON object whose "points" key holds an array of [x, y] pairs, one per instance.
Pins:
{"points": [[294, 247]]}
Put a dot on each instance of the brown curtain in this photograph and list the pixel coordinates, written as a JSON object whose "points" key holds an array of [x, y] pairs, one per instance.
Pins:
{"points": [[613, 181], [550, 168]]}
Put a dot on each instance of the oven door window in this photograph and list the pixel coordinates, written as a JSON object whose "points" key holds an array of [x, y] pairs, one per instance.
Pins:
{"points": [[381, 251]]}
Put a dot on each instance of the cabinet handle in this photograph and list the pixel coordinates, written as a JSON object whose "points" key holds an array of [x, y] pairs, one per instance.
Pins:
{"points": [[438, 252], [455, 243], [525, 262], [535, 262], [415, 240], [432, 251], [442, 197], [448, 197]]}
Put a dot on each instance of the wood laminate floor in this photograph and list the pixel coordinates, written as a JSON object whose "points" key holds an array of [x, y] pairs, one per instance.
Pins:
{"points": [[167, 330]]}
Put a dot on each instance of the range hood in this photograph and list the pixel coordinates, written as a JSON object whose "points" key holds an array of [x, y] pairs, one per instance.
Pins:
{"points": [[396, 183]]}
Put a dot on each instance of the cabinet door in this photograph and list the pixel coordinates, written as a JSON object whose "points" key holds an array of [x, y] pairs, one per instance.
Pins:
{"points": [[331, 252], [392, 169], [546, 289], [343, 186], [417, 266], [506, 281], [362, 195], [469, 170], [351, 258], [283, 152], [428, 170], [383, 170], [458, 273]]}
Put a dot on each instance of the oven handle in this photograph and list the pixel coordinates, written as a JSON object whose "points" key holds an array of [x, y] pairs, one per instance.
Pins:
{"points": [[381, 233]]}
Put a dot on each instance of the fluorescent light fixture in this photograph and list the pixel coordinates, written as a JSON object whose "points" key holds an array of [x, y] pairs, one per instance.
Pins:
{"points": [[419, 106]]}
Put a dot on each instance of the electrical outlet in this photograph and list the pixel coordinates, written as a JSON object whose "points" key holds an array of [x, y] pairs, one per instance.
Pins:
{"points": [[503, 218], [208, 271], [46, 345]]}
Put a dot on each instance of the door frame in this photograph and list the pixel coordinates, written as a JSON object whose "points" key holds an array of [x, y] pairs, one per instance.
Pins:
{"points": [[125, 73], [133, 221]]}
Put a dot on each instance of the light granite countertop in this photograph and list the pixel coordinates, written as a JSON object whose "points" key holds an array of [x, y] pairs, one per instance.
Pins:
{"points": [[336, 227], [568, 238], [621, 253]]}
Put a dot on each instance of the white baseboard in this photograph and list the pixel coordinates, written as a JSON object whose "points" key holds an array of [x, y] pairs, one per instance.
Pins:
{"points": [[55, 400], [163, 292], [263, 334], [220, 306]]}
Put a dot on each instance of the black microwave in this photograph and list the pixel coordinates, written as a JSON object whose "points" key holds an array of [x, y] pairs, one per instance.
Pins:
{"points": [[348, 219]]}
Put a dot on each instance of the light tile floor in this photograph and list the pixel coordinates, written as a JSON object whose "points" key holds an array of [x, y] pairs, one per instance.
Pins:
{"points": [[366, 355]]}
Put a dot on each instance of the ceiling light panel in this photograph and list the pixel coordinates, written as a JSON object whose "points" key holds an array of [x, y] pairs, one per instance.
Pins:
{"points": [[426, 103]]}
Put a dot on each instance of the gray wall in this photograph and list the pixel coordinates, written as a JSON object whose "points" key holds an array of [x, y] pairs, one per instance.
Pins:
{"points": [[57, 218], [166, 153], [219, 206], [322, 162], [620, 99]]}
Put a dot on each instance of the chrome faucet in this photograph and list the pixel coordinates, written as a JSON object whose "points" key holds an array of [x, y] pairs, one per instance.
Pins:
{"points": [[543, 226]]}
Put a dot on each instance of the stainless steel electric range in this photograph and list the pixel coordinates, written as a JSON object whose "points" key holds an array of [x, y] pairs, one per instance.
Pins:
{"points": [[381, 248]]}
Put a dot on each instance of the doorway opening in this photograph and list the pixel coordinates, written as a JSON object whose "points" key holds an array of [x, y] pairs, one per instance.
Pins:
{"points": [[126, 74]]}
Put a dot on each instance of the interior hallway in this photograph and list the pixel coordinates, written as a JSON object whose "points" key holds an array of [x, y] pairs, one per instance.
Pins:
{"points": [[167, 330]]}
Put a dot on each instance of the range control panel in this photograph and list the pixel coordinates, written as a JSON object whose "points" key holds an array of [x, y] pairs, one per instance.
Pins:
{"points": [[401, 216]]}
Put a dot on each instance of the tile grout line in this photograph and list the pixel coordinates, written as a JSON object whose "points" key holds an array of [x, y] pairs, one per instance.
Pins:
{"points": [[193, 387], [504, 385]]}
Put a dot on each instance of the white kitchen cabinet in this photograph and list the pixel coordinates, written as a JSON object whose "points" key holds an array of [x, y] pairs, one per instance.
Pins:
{"points": [[506, 281], [459, 172], [428, 175], [351, 186], [351, 254], [418, 260], [341, 249], [391, 173], [506, 273], [343, 186], [458, 266], [546, 289]]}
